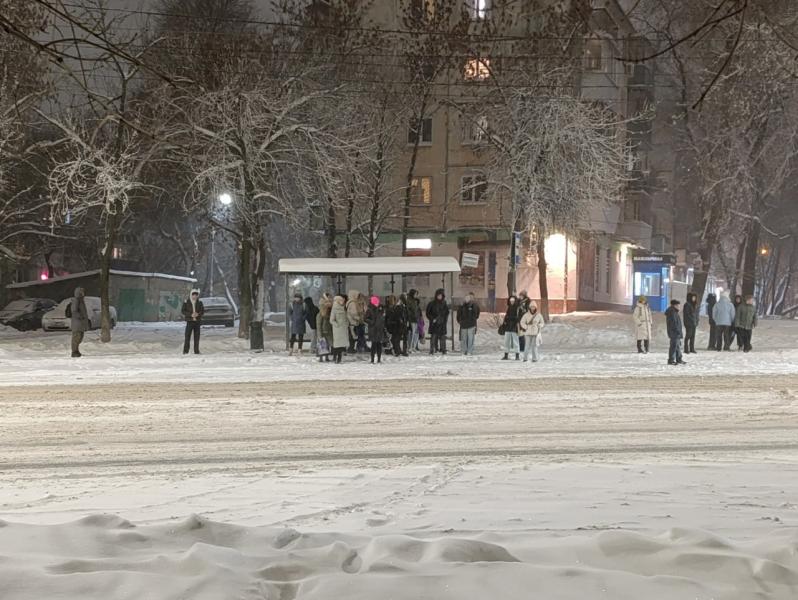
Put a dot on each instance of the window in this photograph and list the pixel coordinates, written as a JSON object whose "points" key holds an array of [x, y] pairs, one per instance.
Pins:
{"points": [[474, 189], [421, 190], [118, 253], [422, 10], [475, 130], [594, 60], [479, 9], [608, 282], [631, 209], [426, 131], [597, 269], [477, 69]]}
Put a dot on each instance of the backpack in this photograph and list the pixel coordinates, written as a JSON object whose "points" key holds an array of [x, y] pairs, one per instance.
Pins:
{"points": [[68, 311]]}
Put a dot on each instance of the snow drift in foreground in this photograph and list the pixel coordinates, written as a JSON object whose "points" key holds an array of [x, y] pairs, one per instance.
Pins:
{"points": [[205, 560]]}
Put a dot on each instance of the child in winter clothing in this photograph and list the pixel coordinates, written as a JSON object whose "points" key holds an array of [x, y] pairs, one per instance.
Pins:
{"points": [[530, 326]]}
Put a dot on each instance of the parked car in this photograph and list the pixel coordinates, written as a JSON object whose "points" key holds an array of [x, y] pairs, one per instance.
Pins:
{"points": [[218, 311], [56, 319], [26, 314]]}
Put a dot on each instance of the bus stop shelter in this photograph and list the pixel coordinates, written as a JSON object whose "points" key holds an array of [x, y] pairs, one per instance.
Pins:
{"points": [[394, 266]]}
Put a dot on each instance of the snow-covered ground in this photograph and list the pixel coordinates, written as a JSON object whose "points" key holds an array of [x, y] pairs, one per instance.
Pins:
{"points": [[136, 472], [583, 344]]}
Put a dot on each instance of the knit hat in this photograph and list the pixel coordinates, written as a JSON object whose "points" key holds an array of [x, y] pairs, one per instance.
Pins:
{"points": [[195, 291], [375, 300]]}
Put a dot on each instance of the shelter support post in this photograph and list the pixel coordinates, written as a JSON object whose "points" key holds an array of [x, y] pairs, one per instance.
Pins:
{"points": [[287, 316], [451, 312]]}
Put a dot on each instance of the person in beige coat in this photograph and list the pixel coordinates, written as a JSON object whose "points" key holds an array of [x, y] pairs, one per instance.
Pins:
{"points": [[356, 313], [530, 327], [340, 328], [643, 322]]}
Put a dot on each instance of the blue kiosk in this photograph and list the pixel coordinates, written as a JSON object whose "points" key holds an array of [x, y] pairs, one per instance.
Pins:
{"points": [[653, 275]]}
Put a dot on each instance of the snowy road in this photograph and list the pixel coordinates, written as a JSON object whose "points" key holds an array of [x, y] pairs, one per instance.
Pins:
{"points": [[177, 428]]}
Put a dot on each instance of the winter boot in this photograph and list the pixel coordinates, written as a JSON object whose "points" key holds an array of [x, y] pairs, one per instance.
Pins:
{"points": [[640, 347], [645, 343], [505, 356], [517, 356]]}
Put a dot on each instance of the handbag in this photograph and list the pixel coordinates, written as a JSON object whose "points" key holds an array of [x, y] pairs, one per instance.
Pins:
{"points": [[502, 329], [323, 347]]}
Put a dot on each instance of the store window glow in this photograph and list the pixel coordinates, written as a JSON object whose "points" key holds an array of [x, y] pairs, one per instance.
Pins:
{"points": [[419, 244]]}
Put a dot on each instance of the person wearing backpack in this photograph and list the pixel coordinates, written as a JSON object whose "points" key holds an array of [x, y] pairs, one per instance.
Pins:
{"points": [[79, 320]]}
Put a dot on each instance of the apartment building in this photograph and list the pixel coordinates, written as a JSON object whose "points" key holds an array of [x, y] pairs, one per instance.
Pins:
{"points": [[453, 214]]}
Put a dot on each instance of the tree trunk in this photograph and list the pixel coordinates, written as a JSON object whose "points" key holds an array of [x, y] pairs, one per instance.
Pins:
{"points": [[543, 274], [350, 211], [244, 285], [775, 281], [790, 271], [106, 256], [751, 255], [701, 275], [330, 231], [411, 171]]}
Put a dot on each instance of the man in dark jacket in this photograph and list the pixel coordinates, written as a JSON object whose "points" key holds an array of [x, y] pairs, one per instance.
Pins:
{"points": [[675, 333], [192, 312], [467, 317], [745, 321], [311, 312], [413, 315], [690, 323], [711, 300], [438, 314], [79, 320], [396, 323]]}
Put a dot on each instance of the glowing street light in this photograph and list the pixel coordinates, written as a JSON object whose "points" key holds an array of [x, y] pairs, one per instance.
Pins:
{"points": [[226, 199], [764, 251]]}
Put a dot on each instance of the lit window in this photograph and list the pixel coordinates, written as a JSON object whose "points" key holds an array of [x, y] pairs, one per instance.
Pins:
{"points": [[477, 69], [419, 244], [421, 189], [118, 253], [426, 132], [479, 9], [593, 56], [474, 189]]}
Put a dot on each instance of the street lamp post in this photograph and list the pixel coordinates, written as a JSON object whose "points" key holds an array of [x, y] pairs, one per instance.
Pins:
{"points": [[225, 200]]}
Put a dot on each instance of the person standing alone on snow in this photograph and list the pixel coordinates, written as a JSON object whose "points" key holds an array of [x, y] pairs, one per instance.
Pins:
{"points": [[467, 317], [298, 316], [690, 323], [531, 325], [192, 312], [675, 333], [438, 314], [79, 320], [643, 321]]}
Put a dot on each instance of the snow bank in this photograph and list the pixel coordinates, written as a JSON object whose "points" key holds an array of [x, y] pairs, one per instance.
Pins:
{"points": [[105, 556], [581, 344]]}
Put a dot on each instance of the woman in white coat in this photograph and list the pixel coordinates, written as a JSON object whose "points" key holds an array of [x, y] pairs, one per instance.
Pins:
{"points": [[340, 328], [643, 321], [531, 325]]}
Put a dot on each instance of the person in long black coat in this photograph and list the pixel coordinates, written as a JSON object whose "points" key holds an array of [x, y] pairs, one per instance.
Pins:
{"points": [[375, 321], [675, 333], [438, 315], [711, 301], [690, 323]]}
